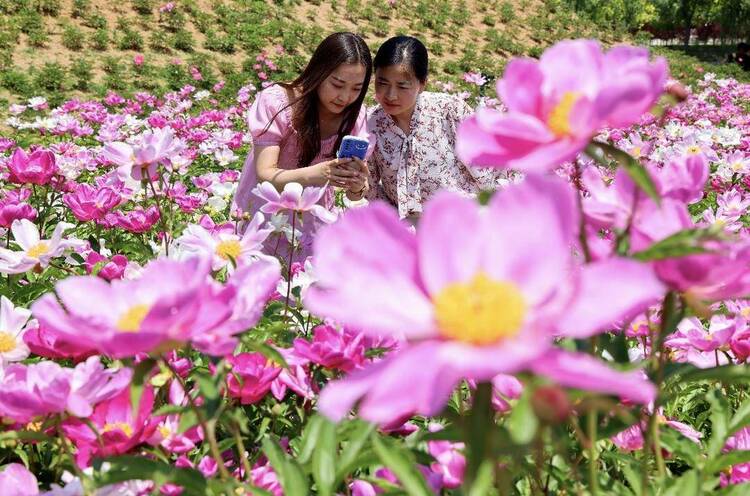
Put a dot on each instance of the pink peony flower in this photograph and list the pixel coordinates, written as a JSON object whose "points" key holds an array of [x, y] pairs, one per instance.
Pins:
{"points": [[138, 59], [92, 383], [683, 178], [555, 110], [16, 480], [36, 168], [332, 348], [739, 473], [90, 203], [13, 207], [48, 343], [251, 377], [120, 428], [169, 304], [107, 269], [510, 263], [475, 78], [137, 220], [33, 390], [294, 197], [142, 159], [225, 248]]}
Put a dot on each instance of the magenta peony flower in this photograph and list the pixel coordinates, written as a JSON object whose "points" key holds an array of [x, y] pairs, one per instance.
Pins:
{"points": [[120, 428], [33, 390], [109, 269], [89, 203], [35, 168], [251, 377], [739, 473], [558, 103], [13, 207], [331, 348], [476, 292], [137, 220], [16, 480]]}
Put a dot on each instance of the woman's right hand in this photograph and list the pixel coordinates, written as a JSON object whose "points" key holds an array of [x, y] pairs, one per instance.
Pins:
{"points": [[334, 172]]}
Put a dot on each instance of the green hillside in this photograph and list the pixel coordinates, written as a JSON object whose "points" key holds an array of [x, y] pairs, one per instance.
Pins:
{"points": [[64, 48]]}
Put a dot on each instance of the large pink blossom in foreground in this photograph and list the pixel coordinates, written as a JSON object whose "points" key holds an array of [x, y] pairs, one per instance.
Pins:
{"points": [[172, 303], [476, 292], [558, 103]]}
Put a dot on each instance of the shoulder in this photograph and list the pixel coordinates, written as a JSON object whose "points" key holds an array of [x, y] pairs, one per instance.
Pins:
{"points": [[375, 115]]}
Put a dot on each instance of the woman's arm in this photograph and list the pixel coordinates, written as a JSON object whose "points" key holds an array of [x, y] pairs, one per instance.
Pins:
{"points": [[330, 171]]}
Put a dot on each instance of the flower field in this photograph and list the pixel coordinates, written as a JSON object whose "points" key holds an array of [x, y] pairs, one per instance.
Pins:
{"points": [[584, 330]]}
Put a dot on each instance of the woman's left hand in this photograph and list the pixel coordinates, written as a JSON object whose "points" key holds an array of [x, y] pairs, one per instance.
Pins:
{"points": [[358, 182]]}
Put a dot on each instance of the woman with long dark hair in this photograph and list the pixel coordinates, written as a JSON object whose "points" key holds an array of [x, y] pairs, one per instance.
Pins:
{"points": [[297, 127], [416, 134]]}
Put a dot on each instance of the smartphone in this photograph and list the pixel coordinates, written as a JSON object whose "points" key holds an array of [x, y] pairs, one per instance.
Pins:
{"points": [[353, 146]]}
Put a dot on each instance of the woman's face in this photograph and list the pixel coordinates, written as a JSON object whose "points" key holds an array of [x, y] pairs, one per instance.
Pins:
{"points": [[396, 89], [341, 88]]}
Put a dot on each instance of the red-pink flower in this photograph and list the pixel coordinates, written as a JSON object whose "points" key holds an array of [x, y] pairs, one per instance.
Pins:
{"points": [[108, 269], [251, 376], [36, 168], [331, 348], [558, 103], [120, 428]]}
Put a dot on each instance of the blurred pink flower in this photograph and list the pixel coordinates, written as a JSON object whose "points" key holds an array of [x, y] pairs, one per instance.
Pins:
{"points": [[333, 349], [558, 103], [740, 472], [16, 480]]}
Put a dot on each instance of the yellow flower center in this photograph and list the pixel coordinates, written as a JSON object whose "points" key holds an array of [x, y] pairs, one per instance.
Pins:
{"points": [[131, 320], [694, 149], [559, 119], [737, 166], [7, 342], [480, 312], [37, 250], [122, 426], [34, 426], [636, 152], [745, 312], [229, 249], [165, 431]]}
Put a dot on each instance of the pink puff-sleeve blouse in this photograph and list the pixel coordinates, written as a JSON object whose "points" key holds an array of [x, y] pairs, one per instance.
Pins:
{"points": [[268, 104]]}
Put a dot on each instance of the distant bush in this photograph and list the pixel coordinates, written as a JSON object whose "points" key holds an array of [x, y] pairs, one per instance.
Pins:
{"points": [[183, 40], [81, 8], [72, 37], [143, 7], [100, 39], [51, 77], [82, 73]]}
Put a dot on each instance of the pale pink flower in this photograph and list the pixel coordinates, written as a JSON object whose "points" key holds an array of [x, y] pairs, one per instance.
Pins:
{"points": [[34, 250], [294, 197], [12, 329], [16, 480]]}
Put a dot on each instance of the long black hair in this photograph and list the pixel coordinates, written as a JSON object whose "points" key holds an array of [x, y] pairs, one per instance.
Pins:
{"points": [[407, 51], [336, 49]]}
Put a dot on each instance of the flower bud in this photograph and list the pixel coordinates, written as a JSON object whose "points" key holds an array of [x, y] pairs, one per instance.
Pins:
{"points": [[551, 404]]}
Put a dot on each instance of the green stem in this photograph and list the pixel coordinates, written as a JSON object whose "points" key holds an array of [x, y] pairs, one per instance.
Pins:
{"points": [[480, 427], [241, 449], [208, 427], [289, 269], [593, 452]]}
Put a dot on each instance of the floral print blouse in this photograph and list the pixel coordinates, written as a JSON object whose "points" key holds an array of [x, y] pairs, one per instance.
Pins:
{"points": [[406, 170]]}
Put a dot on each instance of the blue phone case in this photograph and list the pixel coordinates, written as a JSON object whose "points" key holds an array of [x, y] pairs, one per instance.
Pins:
{"points": [[353, 146]]}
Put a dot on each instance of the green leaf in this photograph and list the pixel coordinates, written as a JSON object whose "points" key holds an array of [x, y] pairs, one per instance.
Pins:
{"points": [[324, 458], [23, 436], [292, 479], [635, 170], [355, 441], [727, 459], [484, 480], [402, 463], [124, 468], [309, 439], [727, 374], [719, 423], [268, 351], [209, 390], [680, 244], [741, 417], [687, 485], [480, 424], [522, 422], [681, 446], [136, 384]]}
